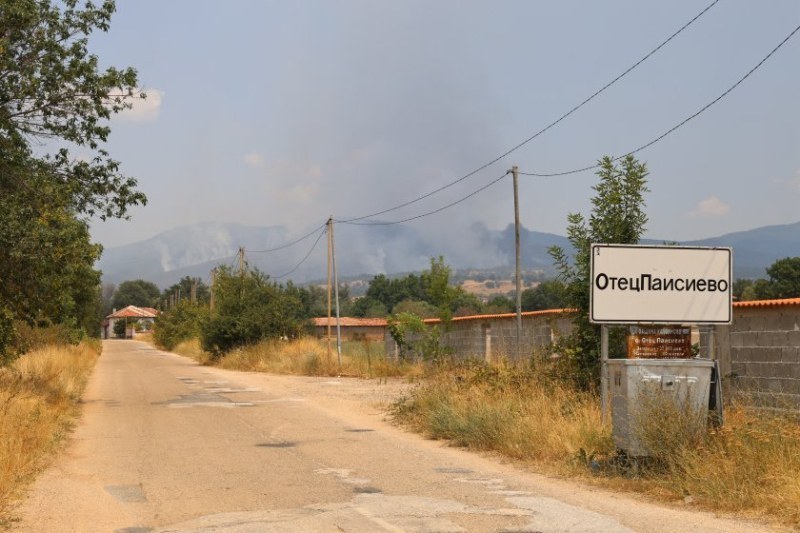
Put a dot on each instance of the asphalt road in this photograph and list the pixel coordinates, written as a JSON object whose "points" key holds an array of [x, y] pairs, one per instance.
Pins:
{"points": [[167, 445]]}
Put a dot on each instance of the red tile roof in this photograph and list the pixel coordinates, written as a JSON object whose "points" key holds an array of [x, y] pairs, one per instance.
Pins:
{"points": [[380, 322], [525, 314], [768, 303], [134, 312], [346, 321]]}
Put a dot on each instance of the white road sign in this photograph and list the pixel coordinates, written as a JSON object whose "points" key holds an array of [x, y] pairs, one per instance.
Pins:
{"points": [[660, 284]]}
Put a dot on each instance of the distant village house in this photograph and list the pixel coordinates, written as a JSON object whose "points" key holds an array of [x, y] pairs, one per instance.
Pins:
{"points": [[132, 316]]}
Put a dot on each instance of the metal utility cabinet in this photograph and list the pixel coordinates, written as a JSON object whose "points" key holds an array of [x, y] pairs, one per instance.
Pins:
{"points": [[684, 382]]}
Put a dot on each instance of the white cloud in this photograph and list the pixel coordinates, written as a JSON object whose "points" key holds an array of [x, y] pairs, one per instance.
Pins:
{"points": [[144, 109], [254, 160], [299, 194], [710, 207], [795, 183], [792, 182]]}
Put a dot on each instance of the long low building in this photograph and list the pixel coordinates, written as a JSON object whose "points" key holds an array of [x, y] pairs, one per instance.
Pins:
{"points": [[352, 329]]}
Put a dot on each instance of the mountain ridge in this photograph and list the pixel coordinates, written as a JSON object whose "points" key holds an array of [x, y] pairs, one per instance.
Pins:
{"points": [[193, 250]]}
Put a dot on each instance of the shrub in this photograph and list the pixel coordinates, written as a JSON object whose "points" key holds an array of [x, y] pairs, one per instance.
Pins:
{"points": [[7, 336], [250, 308], [181, 323]]}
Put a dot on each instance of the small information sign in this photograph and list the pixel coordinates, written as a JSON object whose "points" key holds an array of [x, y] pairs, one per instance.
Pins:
{"points": [[660, 342]]}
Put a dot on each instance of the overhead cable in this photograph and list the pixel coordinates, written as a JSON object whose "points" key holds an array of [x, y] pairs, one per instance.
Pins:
{"points": [[681, 123], [409, 219], [546, 128], [288, 244], [313, 246]]}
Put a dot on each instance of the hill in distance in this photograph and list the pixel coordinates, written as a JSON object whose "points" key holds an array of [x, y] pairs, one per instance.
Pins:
{"points": [[363, 251]]}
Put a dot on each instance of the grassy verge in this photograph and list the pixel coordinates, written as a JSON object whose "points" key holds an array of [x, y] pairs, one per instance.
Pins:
{"points": [[39, 395], [307, 357], [751, 466]]}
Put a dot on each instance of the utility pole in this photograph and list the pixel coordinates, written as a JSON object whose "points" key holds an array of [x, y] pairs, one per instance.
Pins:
{"points": [[241, 273], [194, 292], [336, 295], [330, 247], [515, 173], [213, 282], [604, 373]]}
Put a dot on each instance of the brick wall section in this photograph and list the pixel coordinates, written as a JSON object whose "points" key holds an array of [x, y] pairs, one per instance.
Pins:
{"points": [[760, 352]]}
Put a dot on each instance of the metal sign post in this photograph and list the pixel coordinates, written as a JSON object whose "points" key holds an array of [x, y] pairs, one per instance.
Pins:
{"points": [[604, 373]]}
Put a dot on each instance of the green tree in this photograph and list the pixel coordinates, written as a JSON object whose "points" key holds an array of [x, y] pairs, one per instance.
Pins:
{"points": [[181, 323], [367, 307], [314, 300], [54, 98], [47, 260], [415, 339], [551, 294], [52, 91], [249, 308], [406, 329], [500, 305], [436, 284], [417, 307], [185, 286], [742, 289], [120, 327], [136, 292], [463, 303], [617, 217], [390, 292], [784, 280]]}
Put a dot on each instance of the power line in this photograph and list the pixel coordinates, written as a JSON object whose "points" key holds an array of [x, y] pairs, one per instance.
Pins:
{"points": [[409, 219], [546, 128], [313, 246], [288, 244], [583, 169], [681, 123]]}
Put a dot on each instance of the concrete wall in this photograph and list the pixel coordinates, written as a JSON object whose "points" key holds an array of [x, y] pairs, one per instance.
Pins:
{"points": [[492, 337], [760, 353]]}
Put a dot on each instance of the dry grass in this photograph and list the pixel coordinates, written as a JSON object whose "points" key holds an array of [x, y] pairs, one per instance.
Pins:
{"points": [[307, 357], [751, 466], [504, 409], [192, 350], [39, 395]]}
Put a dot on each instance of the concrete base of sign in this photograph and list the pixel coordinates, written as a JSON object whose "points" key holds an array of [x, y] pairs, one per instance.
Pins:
{"points": [[644, 390]]}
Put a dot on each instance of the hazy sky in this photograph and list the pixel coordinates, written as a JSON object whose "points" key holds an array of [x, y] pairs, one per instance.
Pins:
{"points": [[282, 113]]}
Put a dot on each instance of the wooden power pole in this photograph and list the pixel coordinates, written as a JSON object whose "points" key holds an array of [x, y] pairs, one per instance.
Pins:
{"points": [[213, 282], [336, 295], [330, 246], [515, 173]]}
